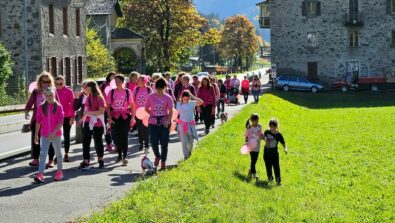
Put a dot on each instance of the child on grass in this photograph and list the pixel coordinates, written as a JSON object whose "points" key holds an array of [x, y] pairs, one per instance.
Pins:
{"points": [[271, 157], [253, 134]]}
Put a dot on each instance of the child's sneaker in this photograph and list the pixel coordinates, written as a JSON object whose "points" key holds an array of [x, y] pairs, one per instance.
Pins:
{"points": [[162, 165], [119, 159], [156, 162], [83, 166], [109, 148], [39, 178], [34, 163], [124, 162], [58, 175], [254, 176], [101, 164]]}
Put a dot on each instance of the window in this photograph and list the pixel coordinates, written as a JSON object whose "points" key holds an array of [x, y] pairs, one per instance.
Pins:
{"points": [[61, 67], [79, 69], [51, 19], [52, 66], [311, 8], [354, 39], [312, 40], [393, 6], [0, 23], [65, 22], [393, 38], [68, 71], [393, 68], [78, 22], [293, 78]]}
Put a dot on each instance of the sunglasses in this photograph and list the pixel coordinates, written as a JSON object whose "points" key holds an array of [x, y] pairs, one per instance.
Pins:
{"points": [[59, 84], [46, 82]]}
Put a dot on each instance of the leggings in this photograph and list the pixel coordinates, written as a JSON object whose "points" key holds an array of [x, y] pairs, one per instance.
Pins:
{"points": [[35, 148], [57, 143], [66, 137], [97, 134], [120, 132], [159, 133], [246, 93], [254, 159], [272, 160], [142, 133], [107, 136], [206, 114], [221, 106]]}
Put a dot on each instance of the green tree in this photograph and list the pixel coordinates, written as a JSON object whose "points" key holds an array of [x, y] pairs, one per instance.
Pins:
{"points": [[170, 28], [238, 41], [6, 65], [98, 59]]}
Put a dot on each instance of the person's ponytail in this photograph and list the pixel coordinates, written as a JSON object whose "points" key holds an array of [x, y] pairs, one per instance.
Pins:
{"points": [[248, 124]]}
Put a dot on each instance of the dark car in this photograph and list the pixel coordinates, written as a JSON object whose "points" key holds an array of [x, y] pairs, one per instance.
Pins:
{"points": [[297, 83]]}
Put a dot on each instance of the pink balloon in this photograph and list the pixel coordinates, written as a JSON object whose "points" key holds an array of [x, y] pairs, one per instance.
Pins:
{"points": [[113, 84], [107, 90], [175, 115], [145, 122], [244, 150], [32, 86], [141, 113], [173, 127]]}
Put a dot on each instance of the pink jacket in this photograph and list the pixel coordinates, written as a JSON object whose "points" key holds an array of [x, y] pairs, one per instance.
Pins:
{"points": [[35, 99], [207, 95], [49, 121], [65, 97]]}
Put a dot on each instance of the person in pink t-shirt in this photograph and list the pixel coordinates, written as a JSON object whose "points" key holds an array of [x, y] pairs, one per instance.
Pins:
{"points": [[93, 124], [44, 80], [120, 112], [132, 83], [49, 121], [110, 76], [160, 107], [65, 97], [140, 95]]}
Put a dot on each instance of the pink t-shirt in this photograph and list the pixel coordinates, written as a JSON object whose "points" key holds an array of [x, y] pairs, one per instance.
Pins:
{"points": [[120, 102], [140, 96], [49, 121], [65, 97], [94, 104], [159, 106], [131, 85]]}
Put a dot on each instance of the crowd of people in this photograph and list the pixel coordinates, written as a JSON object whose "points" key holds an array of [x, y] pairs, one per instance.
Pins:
{"points": [[110, 111]]}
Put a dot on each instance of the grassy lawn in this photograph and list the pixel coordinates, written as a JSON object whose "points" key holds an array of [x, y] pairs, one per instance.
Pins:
{"points": [[340, 168]]}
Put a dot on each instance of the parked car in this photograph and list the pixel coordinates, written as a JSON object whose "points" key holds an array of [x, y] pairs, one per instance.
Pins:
{"points": [[372, 83], [298, 83], [202, 74]]}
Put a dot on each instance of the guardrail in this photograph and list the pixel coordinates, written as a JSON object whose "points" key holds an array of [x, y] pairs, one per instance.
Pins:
{"points": [[12, 108]]}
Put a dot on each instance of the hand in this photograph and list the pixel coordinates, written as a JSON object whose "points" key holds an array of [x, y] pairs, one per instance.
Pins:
{"points": [[71, 122], [36, 139], [51, 136], [27, 116], [286, 150]]}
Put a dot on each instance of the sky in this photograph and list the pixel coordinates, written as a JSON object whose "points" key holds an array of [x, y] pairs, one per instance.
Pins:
{"points": [[226, 8]]}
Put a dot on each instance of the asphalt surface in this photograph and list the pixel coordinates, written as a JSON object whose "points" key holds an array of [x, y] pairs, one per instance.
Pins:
{"points": [[81, 192]]}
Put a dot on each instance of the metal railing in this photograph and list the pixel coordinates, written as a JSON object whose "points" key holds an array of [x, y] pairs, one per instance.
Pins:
{"points": [[353, 19]]}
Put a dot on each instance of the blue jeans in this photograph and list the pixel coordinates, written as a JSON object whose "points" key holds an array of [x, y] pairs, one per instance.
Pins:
{"points": [[256, 94], [57, 145], [158, 133]]}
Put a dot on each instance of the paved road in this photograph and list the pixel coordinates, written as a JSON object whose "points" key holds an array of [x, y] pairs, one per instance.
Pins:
{"points": [[81, 192]]}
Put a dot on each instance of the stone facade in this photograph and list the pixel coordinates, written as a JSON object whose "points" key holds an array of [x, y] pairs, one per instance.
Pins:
{"points": [[57, 53], [323, 38]]}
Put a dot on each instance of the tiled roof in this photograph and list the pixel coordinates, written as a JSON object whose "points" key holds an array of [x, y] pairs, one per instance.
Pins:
{"points": [[103, 7], [123, 33]]}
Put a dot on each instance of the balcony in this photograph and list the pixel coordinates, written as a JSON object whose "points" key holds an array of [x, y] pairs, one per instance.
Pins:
{"points": [[264, 22], [353, 20]]}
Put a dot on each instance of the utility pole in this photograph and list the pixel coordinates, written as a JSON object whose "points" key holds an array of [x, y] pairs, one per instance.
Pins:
{"points": [[26, 45]]}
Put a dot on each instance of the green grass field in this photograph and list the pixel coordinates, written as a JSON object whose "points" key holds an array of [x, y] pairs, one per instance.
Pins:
{"points": [[340, 168]]}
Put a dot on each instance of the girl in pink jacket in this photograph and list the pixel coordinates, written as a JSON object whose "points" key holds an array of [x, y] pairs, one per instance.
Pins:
{"points": [[49, 121]]}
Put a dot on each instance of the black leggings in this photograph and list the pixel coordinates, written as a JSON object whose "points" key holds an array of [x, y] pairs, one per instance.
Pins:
{"points": [[142, 133], [35, 147], [107, 136], [272, 160], [120, 131], [66, 137], [97, 134], [206, 114], [254, 159]]}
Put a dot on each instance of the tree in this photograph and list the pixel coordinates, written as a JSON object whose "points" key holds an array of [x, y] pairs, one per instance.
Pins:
{"points": [[170, 27], [6, 65], [238, 41], [98, 59]]}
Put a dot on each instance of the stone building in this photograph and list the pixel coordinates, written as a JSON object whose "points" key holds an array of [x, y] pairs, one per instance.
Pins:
{"points": [[126, 45], [327, 40], [45, 35]]}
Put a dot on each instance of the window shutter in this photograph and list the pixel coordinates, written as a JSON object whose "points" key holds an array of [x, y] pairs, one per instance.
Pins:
{"points": [[304, 8], [318, 8]]}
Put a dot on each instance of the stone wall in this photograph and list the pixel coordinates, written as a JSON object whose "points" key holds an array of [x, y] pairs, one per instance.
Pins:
{"points": [[291, 53]]}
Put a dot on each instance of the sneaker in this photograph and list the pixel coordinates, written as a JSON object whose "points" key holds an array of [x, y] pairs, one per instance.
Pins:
{"points": [[109, 148], [141, 148], [66, 158], [207, 131], [254, 176], [212, 126], [58, 175], [124, 162], [39, 178], [270, 179], [83, 166], [50, 164], [249, 173], [119, 159], [34, 163], [101, 164], [278, 183], [156, 162], [162, 165]]}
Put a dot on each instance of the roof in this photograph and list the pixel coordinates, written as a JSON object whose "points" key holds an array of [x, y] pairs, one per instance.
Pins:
{"points": [[263, 2], [103, 7], [123, 33]]}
